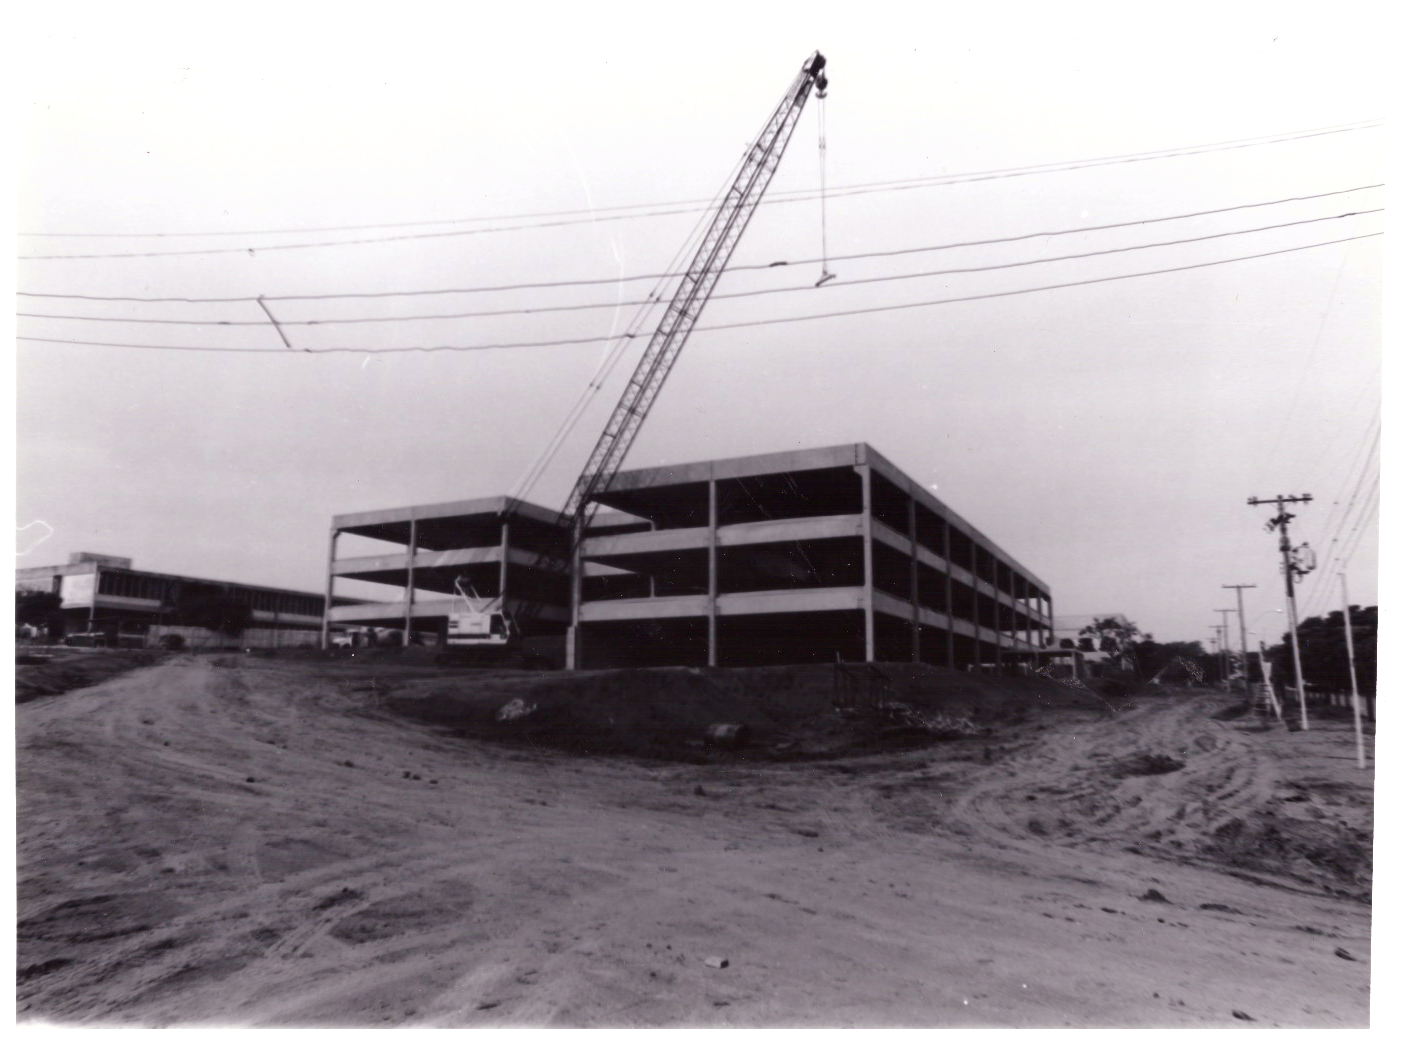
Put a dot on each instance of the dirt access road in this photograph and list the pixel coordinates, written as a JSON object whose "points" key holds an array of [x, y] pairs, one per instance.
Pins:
{"points": [[250, 842]]}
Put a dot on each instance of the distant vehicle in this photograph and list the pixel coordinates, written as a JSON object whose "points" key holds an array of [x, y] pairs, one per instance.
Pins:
{"points": [[100, 640], [368, 638]]}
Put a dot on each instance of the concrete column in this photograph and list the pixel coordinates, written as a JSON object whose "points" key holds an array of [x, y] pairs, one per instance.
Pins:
{"points": [[409, 580], [950, 602], [504, 547], [711, 573], [912, 583], [331, 578], [975, 599], [1013, 635], [865, 472], [574, 637]]}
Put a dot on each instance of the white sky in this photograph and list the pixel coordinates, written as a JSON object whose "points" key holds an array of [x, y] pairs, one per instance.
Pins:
{"points": [[1107, 436]]}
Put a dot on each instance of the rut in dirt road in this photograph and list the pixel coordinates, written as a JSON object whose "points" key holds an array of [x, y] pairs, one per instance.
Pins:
{"points": [[1088, 791], [256, 842]]}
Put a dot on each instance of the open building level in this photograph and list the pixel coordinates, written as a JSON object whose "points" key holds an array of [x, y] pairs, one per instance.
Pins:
{"points": [[823, 555]]}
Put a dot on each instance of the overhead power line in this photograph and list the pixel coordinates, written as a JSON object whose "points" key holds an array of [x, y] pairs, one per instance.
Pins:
{"points": [[1320, 593], [580, 282], [1343, 509], [1343, 513], [774, 196], [618, 213], [611, 304], [706, 328]]}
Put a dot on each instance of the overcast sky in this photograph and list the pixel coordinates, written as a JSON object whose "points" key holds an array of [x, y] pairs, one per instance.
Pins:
{"points": [[1106, 435]]}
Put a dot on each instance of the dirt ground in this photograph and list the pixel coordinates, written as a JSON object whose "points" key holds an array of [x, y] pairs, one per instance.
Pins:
{"points": [[47, 671], [260, 842]]}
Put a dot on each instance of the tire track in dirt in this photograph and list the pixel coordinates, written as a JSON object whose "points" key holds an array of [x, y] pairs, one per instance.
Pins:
{"points": [[346, 886], [1098, 785]]}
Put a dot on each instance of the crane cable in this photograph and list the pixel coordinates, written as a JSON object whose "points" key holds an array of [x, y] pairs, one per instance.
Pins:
{"points": [[606, 366], [825, 275]]}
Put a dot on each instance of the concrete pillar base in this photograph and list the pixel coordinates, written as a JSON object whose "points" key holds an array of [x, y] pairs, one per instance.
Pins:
{"points": [[572, 648]]}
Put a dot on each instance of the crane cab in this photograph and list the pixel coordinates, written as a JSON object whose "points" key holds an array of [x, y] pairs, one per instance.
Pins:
{"points": [[471, 628]]}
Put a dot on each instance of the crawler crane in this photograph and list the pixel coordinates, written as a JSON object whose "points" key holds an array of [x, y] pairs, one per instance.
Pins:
{"points": [[471, 627]]}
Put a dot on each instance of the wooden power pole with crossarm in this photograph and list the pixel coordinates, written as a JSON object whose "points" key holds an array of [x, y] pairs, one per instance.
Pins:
{"points": [[1295, 565]]}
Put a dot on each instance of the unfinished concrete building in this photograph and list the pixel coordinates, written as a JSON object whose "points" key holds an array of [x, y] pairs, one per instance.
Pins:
{"points": [[808, 556], [494, 547], [831, 554]]}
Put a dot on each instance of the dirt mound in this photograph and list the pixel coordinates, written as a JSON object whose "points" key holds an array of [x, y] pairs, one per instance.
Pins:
{"points": [[787, 710], [61, 670], [1233, 711], [1144, 763], [1326, 854]]}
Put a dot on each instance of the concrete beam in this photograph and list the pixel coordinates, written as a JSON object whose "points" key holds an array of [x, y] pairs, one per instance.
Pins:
{"points": [[731, 604], [103, 599], [672, 540], [903, 544], [391, 615], [481, 508], [785, 601], [643, 609], [886, 468], [283, 617], [963, 628], [901, 609], [762, 532], [803, 529], [362, 566], [726, 469], [661, 477]]}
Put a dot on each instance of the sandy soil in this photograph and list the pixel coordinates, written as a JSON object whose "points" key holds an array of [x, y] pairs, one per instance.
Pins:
{"points": [[258, 842], [47, 671]]}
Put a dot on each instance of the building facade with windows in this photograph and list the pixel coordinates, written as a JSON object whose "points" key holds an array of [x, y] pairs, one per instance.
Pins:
{"points": [[105, 601]]}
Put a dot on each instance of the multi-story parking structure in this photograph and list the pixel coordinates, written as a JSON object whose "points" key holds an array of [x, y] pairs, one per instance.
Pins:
{"points": [[830, 554], [490, 548]]}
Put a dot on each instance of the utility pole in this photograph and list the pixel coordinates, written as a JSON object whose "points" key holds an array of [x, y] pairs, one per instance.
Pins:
{"points": [[1242, 633], [1291, 570], [1354, 685], [1228, 647]]}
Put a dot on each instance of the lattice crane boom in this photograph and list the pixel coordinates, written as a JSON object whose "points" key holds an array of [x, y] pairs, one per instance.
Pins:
{"points": [[693, 291]]}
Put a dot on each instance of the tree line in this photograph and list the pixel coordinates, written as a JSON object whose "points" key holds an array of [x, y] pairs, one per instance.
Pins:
{"points": [[1325, 662]]}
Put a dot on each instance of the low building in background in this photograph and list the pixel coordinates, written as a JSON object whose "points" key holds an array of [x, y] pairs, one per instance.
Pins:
{"points": [[105, 601]]}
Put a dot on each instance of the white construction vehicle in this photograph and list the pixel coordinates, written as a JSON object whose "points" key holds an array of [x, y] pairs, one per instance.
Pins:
{"points": [[481, 633]]}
